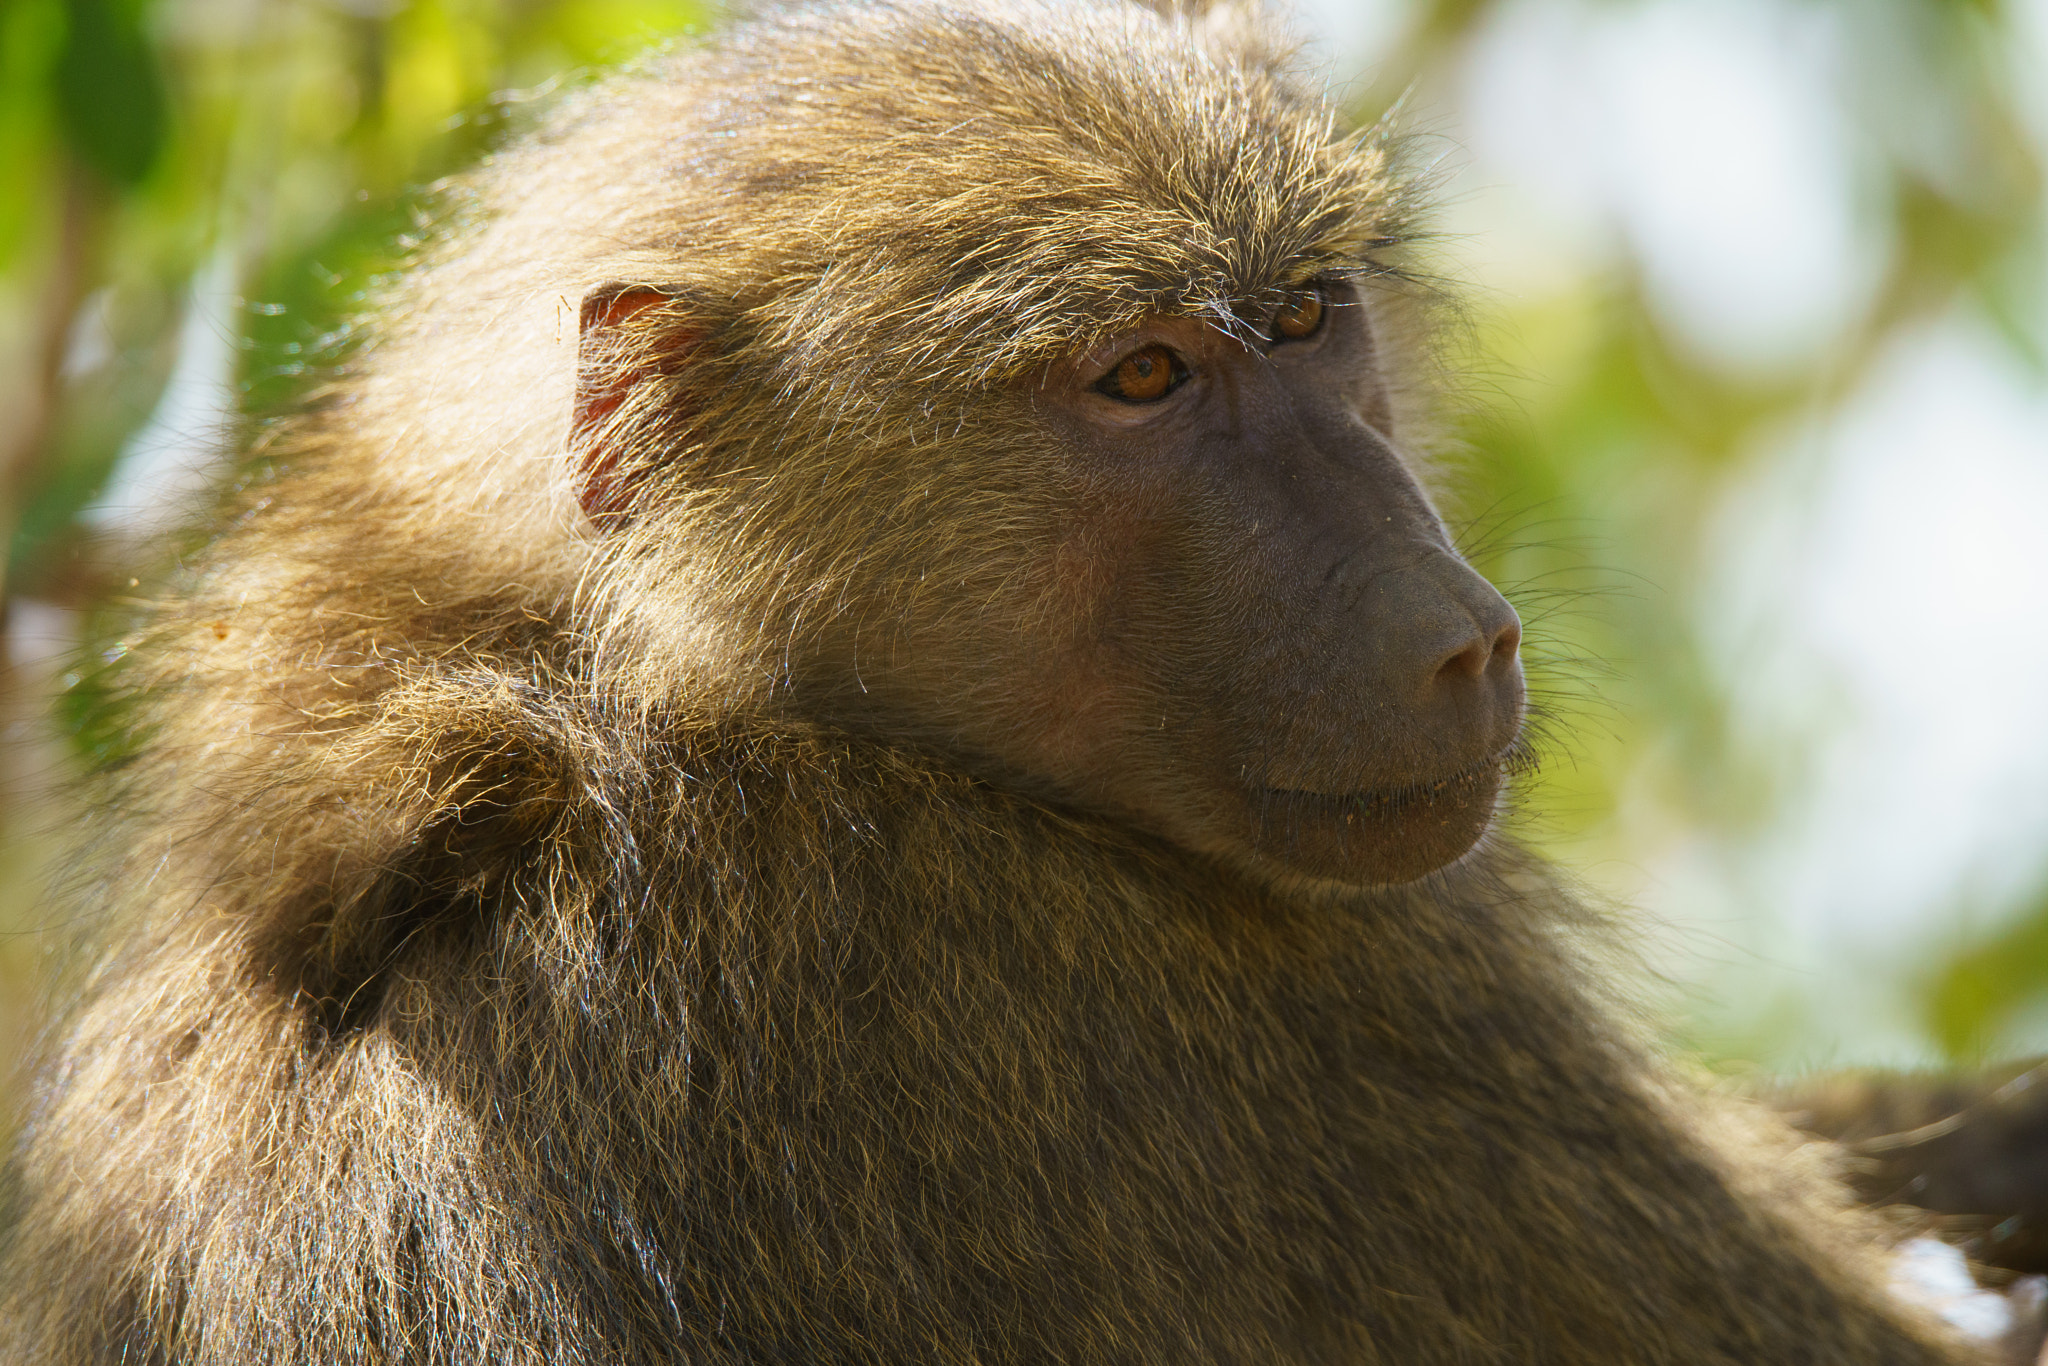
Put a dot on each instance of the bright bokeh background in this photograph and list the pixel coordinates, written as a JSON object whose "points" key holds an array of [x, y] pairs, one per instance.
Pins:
{"points": [[1758, 305]]}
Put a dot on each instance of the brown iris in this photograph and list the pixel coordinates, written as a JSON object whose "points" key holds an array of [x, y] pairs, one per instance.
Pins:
{"points": [[1299, 317], [1142, 376]]}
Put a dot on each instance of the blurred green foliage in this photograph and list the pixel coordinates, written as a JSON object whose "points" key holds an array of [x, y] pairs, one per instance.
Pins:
{"points": [[108, 95], [282, 144], [1973, 996]]}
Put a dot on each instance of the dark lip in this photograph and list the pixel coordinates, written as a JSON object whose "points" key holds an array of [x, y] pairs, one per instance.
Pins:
{"points": [[1392, 801]]}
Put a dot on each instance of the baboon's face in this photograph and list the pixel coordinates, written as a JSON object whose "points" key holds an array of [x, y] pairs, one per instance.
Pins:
{"points": [[1213, 600], [1272, 649]]}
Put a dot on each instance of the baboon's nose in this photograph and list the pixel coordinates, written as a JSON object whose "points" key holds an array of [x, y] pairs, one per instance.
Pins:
{"points": [[1471, 674], [1445, 642]]}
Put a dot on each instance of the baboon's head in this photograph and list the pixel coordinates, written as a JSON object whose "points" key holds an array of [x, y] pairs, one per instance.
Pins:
{"points": [[1044, 408]]}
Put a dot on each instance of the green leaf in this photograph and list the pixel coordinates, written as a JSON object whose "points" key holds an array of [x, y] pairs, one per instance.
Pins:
{"points": [[110, 95]]}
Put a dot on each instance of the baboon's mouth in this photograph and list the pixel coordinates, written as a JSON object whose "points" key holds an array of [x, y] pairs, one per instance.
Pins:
{"points": [[1393, 802], [1388, 834]]}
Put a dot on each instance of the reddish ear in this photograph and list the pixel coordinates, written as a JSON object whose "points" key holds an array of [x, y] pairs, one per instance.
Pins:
{"points": [[603, 487]]}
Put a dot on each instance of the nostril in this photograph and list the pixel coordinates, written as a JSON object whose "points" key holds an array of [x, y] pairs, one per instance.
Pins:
{"points": [[1481, 652], [1505, 643], [1467, 662]]}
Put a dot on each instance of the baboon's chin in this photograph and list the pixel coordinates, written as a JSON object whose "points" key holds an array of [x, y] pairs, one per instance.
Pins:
{"points": [[1381, 836]]}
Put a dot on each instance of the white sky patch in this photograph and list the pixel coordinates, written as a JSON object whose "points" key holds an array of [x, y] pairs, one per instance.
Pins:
{"points": [[169, 466], [2028, 58], [1348, 38], [1708, 138]]}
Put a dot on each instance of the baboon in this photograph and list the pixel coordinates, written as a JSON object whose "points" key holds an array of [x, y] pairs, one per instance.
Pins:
{"points": [[850, 739]]}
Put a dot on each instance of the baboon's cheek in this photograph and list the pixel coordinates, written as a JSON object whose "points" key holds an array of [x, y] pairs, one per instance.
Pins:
{"points": [[1077, 722], [1095, 569]]}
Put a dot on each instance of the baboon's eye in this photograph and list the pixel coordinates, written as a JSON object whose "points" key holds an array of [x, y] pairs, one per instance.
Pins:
{"points": [[1301, 316], [1144, 376]]}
